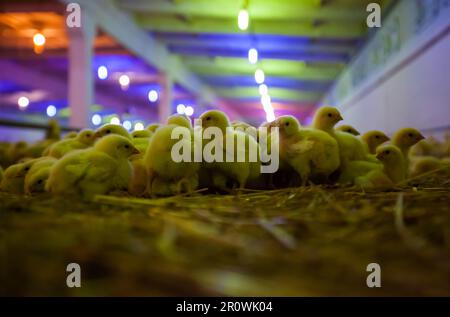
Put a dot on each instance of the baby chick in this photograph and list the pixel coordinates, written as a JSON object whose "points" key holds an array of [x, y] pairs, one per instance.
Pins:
{"points": [[393, 162], [37, 176], [373, 139], [138, 182], [17, 151], [14, 177], [84, 139], [238, 172], [423, 164], [245, 127], [160, 165], [180, 120], [71, 135], [349, 129], [310, 152], [404, 139], [98, 170], [141, 139], [152, 127], [35, 183], [108, 129]]}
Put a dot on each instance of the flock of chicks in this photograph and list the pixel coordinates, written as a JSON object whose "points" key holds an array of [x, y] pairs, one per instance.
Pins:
{"points": [[110, 159]]}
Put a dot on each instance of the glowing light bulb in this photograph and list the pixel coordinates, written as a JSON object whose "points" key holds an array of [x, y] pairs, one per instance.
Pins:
{"points": [[189, 111], [253, 56], [266, 100], [102, 72], [263, 89], [124, 81], [153, 95], [51, 111], [270, 116], [23, 102], [127, 125], [259, 76], [243, 19], [138, 126], [181, 108], [39, 39], [96, 119], [115, 120]]}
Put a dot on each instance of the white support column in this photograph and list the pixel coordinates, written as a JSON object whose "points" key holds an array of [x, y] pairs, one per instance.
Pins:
{"points": [[165, 101], [81, 82]]}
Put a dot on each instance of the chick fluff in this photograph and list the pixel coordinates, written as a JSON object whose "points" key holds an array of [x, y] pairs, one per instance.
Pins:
{"points": [[160, 166], [349, 129], [310, 152], [98, 170], [84, 139], [373, 139]]}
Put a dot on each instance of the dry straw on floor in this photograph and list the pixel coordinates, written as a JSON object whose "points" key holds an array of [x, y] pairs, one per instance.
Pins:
{"points": [[299, 241]]}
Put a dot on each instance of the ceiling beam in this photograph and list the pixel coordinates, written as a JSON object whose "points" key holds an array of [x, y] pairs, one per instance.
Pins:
{"points": [[122, 27], [161, 23], [273, 10], [251, 93], [283, 68]]}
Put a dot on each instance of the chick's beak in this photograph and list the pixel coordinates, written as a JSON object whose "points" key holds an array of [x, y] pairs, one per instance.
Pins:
{"points": [[379, 156], [135, 151], [339, 117], [421, 137], [357, 133]]}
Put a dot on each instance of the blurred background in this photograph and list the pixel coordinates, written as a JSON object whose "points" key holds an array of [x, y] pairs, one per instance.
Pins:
{"points": [[133, 62]]}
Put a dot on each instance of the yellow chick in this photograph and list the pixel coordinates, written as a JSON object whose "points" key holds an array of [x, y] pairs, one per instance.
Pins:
{"points": [[180, 120], [350, 148], [393, 162], [98, 170], [238, 172], [245, 127], [423, 164], [108, 129], [160, 165], [52, 135], [152, 127], [310, 152], [14, 178], [71, 135], [404, 139], [84, 139], [17, 151], [35, 183], [37, 176], [374, 180], [373, 139], [141, 139], [349, 129]]}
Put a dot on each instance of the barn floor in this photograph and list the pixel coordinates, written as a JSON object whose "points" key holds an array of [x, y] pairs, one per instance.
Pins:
{"points": [[292, 242]]}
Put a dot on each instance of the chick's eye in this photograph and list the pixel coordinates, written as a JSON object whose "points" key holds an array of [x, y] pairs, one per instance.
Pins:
{"points": [[330, 115], [287, 124], [410, 135], [40, 181], [387, 152], [377, 137], [208, 118], [108, 131], [127, 146], [27, 169]]}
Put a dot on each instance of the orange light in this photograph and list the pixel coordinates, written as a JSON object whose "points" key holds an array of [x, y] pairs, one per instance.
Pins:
{"points": [[39, 42]]}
